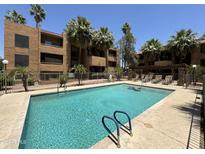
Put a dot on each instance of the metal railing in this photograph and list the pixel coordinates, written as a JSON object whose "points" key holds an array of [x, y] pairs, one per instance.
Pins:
{"points": [[115, 139], [117, 122], [124, 127], [6, 83]]}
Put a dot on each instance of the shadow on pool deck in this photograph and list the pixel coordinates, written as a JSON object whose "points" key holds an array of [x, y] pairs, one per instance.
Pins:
{"points": [[195, 137]]}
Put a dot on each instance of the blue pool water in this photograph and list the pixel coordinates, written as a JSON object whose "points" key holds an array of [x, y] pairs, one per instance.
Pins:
{"points": [[73, 119]]}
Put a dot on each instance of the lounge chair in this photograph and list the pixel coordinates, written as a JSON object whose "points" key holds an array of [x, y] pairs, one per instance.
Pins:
{"points": [[157, 79], [136, 78], [167, 80], [148, 77], [142, 76]]}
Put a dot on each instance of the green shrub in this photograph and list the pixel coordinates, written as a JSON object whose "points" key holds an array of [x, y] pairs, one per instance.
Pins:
{"points": [[31, 81], [63, 80], [118, 72]]}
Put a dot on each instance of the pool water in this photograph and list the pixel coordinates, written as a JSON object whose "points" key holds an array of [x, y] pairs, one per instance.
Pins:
{"points": [[74, 119]]}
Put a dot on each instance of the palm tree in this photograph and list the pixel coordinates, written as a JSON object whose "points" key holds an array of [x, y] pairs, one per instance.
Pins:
{"points": [[15, 17], [152, 50], [79, 70], [103, 39], [79, 31], [182, 43], [25, 72], [38, 12]]}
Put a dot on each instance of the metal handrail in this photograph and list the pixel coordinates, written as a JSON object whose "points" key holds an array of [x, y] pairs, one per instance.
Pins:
{"points": [[58, 88], [117, 139], [125, 127]]}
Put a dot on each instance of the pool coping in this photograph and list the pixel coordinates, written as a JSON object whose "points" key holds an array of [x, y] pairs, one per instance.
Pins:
{"points": [[141, 114], [20, 121]]}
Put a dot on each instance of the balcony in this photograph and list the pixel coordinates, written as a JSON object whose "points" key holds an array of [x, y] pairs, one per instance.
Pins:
{"points": [[112, 58], [96, 61], [48, 39], [52, 44], [163, 63]]}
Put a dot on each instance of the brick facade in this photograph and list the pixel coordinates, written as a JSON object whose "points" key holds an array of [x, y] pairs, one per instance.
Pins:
{"points": [[36, 47]]}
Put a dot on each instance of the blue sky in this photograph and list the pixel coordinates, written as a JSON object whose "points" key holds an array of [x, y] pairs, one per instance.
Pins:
{"points": [[147, 21]]}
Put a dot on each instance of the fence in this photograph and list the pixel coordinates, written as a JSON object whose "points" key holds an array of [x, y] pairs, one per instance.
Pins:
{"points": [[203, 110], [43, 80], [6, 83]]}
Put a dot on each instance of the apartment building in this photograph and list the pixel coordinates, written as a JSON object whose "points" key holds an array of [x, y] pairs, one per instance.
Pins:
{"points": [[47, 52], [197, 57], [169, 64]]}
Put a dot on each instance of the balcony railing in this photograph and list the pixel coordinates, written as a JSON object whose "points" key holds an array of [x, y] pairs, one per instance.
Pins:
{"points": [[52, 44], [112, 58], [96, 61]]}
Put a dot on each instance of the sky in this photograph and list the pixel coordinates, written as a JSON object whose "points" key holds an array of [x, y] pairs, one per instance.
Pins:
{"points": [[147, 21]]}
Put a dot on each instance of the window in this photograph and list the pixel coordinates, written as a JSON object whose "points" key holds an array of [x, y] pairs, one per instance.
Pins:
{"points": [[50, 75], [112, 53], [51, 40], [112, 64], [202, 62], [51, 58], [21, 41], [21, 60], [202, 48]]}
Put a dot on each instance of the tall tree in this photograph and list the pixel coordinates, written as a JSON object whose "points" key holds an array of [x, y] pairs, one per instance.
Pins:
{"points": [[127, 43], [103, 39], [15, 17], [182, 43], [152, 50], [79, 31], [203, 36], [38, 12]]}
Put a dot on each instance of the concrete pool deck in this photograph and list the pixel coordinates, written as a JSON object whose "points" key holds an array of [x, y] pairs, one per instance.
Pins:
{"points": [[170, 123]]}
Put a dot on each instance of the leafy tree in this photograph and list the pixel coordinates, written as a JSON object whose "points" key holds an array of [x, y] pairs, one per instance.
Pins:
{"points": [[15, 17], [182, 43], [79, 70], [118, 72], [152, 50], [38, 12], [79, 31], [134, 59], [126, 44]]}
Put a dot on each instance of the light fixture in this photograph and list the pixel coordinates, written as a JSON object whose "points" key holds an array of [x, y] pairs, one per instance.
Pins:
{"points": [[5, 62], [194, 66]]}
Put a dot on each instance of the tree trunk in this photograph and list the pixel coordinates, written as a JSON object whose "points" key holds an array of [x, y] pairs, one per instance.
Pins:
{"points": [[79, 58], [106, 54], [78, 78], [25, 84]]}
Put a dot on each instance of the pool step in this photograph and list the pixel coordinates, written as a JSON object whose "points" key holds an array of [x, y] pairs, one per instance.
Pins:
{"points": [[116, 139]]}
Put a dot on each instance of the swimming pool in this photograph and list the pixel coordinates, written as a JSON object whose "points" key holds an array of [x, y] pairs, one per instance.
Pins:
{"points": [[73, 119]]}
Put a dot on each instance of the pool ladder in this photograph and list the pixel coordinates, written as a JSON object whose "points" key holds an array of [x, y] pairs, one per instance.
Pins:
{"points": [[127, 129], [58, 87]]}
